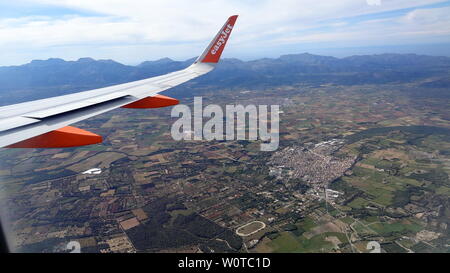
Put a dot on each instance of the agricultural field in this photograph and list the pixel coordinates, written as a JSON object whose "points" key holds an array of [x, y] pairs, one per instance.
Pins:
{"points": [[390, 185]]}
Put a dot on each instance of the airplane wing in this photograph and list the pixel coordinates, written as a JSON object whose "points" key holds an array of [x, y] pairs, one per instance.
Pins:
{"points": [[44, 123]]}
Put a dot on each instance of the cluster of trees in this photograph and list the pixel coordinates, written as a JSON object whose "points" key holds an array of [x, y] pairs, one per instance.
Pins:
{"points": [[162, 231], [402, 198], [436, 176], [414, 131], [198, 225]]}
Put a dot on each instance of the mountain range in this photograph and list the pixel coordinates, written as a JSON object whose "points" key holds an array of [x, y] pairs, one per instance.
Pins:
{"points": [[46, 78]]}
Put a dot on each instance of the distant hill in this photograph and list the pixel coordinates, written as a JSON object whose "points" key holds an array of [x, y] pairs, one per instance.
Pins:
{"points": [[53, 77]]}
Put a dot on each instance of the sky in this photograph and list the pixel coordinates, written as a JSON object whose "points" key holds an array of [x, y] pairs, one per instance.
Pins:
{"points": [[133, 31]]}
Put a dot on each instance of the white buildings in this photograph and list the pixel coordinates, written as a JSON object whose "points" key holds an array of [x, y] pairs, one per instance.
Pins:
{"points": [[93, 171]]}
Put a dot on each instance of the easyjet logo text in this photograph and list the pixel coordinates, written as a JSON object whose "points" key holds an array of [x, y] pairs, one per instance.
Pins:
{"points": [[223, 38]]}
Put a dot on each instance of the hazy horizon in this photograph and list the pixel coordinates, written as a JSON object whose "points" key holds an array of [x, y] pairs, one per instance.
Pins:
{"points": [[442, 50], [134, 31]]}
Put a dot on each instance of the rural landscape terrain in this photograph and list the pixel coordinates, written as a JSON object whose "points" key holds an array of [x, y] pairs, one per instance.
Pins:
{"points": [[364, 160]]}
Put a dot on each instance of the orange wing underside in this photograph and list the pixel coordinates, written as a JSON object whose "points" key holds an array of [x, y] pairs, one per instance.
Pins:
{"points": [[153, 102], [73, 137], [62, 138]]}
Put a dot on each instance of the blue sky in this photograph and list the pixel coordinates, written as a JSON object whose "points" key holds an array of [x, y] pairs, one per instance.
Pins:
{"points": [[133, 31]]}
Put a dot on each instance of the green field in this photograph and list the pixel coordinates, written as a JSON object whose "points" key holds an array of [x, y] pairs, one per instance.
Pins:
{"points": [[289, 243]]}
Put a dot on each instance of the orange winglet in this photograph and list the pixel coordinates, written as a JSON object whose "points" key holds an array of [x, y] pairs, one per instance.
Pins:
{"points": [[214, 52], [153, 102], [62, 138]]}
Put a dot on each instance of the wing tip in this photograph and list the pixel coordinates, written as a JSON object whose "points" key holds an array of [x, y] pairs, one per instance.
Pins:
{"points": [[232, 19], [215, 48]]}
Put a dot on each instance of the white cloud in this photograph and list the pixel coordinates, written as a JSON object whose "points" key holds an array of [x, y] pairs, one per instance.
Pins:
{"points": [[123, 26], [415, 26], [374, 2]]}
